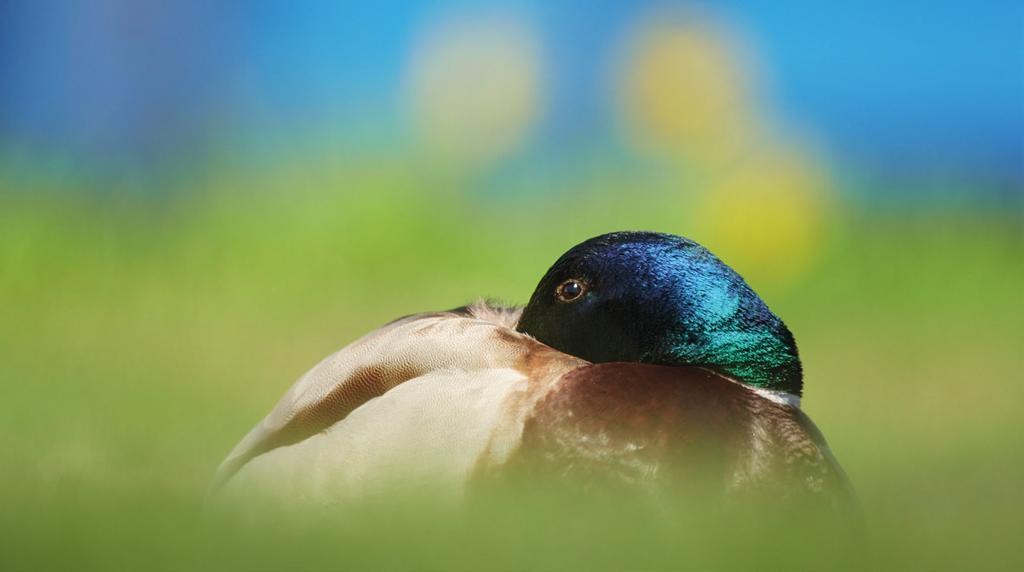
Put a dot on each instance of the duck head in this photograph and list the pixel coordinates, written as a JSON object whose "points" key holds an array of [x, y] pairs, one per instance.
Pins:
{"points": [[661, 299]]}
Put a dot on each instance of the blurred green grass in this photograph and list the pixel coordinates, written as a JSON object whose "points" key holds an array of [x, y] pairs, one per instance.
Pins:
{"points": [[141, 336]]}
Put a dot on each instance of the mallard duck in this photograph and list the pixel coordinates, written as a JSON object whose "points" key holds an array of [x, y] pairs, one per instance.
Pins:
{"points": [[641, 359]]}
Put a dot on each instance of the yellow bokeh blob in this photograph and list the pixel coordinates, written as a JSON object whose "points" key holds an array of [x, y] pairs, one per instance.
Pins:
{"points": [[474, 85], [768, 217], [686, 90]]}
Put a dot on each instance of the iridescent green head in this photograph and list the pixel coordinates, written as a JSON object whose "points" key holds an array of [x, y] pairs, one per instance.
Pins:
{"points": [[661, 299]]}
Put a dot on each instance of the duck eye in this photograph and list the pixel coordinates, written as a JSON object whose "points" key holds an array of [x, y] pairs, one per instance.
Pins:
{"points": [[570, 290]]}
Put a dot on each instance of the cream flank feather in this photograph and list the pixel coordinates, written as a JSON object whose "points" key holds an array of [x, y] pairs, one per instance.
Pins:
{"points": [[427, 398]]}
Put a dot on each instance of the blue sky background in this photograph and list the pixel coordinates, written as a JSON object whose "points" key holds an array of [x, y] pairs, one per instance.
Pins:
{"points": [[906, 86]]}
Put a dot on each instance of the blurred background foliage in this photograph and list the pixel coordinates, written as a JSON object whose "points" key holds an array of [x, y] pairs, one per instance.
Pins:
{"points": [[199, 200]]}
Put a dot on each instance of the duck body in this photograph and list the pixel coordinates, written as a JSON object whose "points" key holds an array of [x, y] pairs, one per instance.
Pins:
{"points": [[444, 402], [698, 394]]}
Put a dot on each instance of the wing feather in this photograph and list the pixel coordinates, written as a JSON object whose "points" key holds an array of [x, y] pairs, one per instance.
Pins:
{"points": [[473, 338]]}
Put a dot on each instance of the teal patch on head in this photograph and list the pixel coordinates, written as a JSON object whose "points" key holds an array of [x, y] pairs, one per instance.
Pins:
{"points": [[718, 303], [722, 324], [750, 357]]}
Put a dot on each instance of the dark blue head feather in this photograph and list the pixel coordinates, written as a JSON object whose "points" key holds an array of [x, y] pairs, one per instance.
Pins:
{"points": [[662, 299]]}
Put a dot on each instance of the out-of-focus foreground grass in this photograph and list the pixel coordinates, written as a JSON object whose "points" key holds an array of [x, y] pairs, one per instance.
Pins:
{"points": [[140, 337]]}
